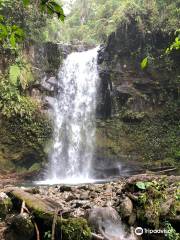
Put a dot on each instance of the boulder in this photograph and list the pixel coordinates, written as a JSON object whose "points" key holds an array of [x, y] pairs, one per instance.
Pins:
{"points": [[20, 228], [65, 188], [107, 222], [84, 195], [5, 205], [166, 206], [126, 207], [132, 219]]}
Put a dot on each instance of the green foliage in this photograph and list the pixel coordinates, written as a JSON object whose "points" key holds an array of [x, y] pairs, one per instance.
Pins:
{"points": [[132, 116], [14, 73], [26, 2], [143, 198], [10, 34], [172, 234], [52, 7], [177, 195], [47, 235], [155, 138], [177, 154], [75, 229], [24, 129], [175, 45], [144, 63], [92, 21], [12, 101], [153, 141], [13, 29], [153, 201], [156, 185], [20, 73], [35, 167], [143, 185], [23, 140]]}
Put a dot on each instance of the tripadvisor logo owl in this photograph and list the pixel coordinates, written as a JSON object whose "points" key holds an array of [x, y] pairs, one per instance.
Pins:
{"points": [[139, 231]]}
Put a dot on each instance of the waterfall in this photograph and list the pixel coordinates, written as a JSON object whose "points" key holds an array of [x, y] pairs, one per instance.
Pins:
{"points": [[71, 157]]}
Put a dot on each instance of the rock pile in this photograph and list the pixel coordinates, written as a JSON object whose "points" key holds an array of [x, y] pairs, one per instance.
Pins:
{"points": [[143, 200]]}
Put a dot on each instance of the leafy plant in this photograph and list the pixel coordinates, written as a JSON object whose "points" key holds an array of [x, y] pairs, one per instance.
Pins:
{"points": [[20, 73], [52, 7], [14, 73], [177, 194], [177, 155], [12, 103], [13, 100], [143, 185], [12, 34], [93, 21], [144, 63], [176, 44], [49, 6], [172, 234], [47, 235], [143, 198]]}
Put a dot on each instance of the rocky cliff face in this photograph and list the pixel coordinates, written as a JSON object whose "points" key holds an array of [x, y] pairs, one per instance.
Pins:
{"points": [[138, 107], [24, 142], [130, 86], [46, 60]]}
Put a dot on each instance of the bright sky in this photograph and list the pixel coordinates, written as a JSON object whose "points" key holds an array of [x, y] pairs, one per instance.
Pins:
{"points": [[66, 5]]}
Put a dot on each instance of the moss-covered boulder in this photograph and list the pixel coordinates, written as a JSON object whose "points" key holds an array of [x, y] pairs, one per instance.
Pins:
{"points": [[5, 205], [155, 199], [45, 211], [20, 228], [23, 142]]}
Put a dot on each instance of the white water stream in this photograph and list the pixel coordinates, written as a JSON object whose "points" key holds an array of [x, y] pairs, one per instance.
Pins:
{"points": [[71, 158]]}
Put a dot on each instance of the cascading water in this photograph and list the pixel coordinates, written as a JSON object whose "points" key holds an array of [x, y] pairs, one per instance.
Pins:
{"points": [[74, 119]]}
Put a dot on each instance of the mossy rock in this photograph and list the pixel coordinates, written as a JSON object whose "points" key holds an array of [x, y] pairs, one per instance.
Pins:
{"points": [[131, 116], [5, 205], [158, 199], [21, 227], [23, 141], [75, 228], [44, 211]]}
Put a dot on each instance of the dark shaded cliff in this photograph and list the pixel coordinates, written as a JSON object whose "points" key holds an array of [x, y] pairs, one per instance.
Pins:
{"points": [[139, 107]]}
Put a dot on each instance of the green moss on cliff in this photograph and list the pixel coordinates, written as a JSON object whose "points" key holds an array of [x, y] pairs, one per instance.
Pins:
{"points": [[23, 140], [5, 206], [153, 140]]}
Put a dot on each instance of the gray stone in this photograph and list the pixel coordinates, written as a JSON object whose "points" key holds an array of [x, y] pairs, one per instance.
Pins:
{"points": [[84, 195], [165, 207], [71, 197], [65, 188], [132, 219], [126, 207]]}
